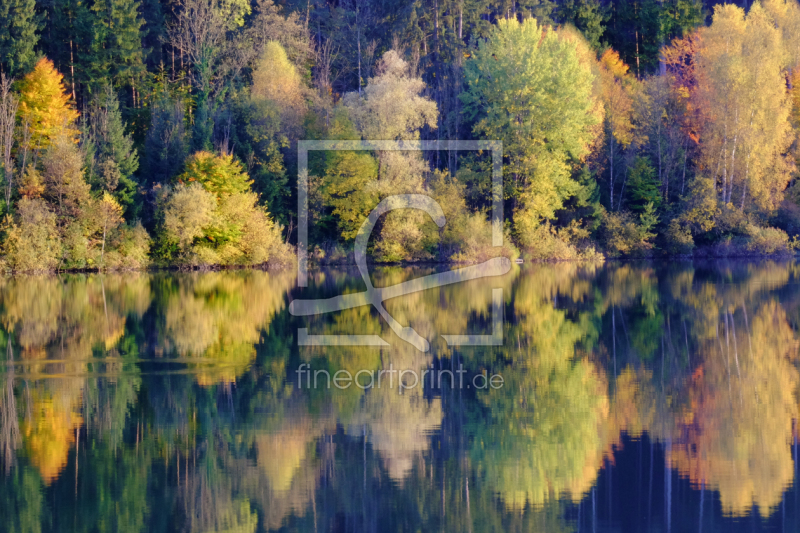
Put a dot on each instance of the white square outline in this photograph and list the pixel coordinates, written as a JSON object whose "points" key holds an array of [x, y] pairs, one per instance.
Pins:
{"points": [[305, 146]]}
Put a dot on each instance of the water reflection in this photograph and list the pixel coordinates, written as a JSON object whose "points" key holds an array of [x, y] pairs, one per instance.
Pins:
{"points": [[635, 397]]}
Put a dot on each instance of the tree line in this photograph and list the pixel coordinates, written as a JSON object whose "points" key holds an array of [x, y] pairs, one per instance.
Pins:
{"points": [[144, 132]]}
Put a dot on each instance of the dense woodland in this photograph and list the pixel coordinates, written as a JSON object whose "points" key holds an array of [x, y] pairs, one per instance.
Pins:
{"points": [[146, 132]]}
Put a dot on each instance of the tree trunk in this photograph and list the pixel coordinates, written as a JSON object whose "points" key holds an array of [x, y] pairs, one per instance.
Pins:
{"points": [[358, 37], [103, 248], [611, 167]]}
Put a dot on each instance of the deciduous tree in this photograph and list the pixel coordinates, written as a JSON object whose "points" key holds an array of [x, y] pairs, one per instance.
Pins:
{"points": [[528, 88], [45, 108]]}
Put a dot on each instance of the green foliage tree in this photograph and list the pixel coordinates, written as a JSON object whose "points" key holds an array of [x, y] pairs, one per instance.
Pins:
{"points": [[212, 217], [392, 107], [277, 80], [259, 139], [528, 88], [220, 175]]}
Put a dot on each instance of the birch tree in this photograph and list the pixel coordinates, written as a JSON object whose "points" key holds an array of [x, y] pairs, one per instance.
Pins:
{"points": [[8, 118], [741, 72]]}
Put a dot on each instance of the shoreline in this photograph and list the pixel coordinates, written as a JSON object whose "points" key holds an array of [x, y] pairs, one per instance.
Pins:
{"points": [[404, 264]]}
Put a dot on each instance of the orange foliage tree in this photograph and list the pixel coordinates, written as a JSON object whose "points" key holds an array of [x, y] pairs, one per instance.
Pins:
{"points": [[45, 108]]}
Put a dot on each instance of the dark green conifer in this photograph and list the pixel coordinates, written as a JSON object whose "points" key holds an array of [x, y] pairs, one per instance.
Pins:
{"points": [[19, 36], [115, 159]]}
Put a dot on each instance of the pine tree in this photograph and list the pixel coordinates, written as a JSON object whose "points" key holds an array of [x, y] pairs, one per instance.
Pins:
{"points": [[639, 28], [154, 33], [589, 16], [66, 36], [20, 25], [643, 186], [167, 143], [115, 54], [587, 205], [115, 160]]}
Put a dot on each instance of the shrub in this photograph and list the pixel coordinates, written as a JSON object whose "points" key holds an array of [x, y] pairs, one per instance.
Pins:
{"points": [[545, 243], [188, 211], [403, 237], [467, 236], [129, 248], [731, 221], [32, 241], [624, 236], [77, 252], [475, 242], [768, 241], [678, 239], [261, 240], [787, 217], [205, 230]]}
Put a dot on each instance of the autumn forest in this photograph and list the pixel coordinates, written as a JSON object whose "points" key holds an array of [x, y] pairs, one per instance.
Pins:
{"points": [[146, 133]]}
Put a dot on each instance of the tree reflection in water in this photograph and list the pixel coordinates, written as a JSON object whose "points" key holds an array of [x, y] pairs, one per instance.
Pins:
{"points": [[161, 402]]}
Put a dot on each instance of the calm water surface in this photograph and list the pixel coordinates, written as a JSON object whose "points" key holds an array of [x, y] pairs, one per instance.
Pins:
{"points": [[635, 397]]}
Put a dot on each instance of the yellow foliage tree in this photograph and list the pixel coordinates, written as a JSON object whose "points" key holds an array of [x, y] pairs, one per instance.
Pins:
{"points": [[45, 106], [741, 72], [276, 79], [110, 216]]}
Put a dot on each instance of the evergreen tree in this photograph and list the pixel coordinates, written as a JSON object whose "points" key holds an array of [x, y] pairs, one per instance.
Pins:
{"points": [[589, 16], [167, 143], [115, 160], [65, 37], [115, 54], [18, 39], [639, 28], [643, 186], [587, 205], [154, 33]]}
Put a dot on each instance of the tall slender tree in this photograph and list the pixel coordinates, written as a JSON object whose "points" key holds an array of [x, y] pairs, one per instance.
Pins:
{"points": [[115, 159]]}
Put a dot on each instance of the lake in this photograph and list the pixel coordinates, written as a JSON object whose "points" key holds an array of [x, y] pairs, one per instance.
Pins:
{"points": [[619, 397]]}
